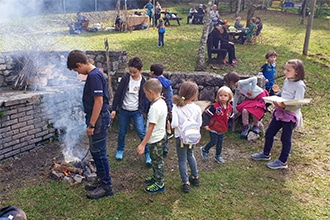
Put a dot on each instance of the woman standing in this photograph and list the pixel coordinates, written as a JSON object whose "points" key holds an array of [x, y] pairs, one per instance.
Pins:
{"points": [[158, 10]]}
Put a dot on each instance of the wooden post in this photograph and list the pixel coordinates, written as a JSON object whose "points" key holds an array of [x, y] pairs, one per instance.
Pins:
{"points": [[106, 45], [309, 27]]}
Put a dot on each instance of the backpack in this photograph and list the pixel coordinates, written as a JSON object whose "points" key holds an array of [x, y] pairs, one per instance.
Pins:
{"points": [[190, 132], [12, 212], [162, 29]]}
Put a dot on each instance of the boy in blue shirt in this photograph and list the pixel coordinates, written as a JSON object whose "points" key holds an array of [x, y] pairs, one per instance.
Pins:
{"points": [[268, 70], [96, 107], [156, 71]]}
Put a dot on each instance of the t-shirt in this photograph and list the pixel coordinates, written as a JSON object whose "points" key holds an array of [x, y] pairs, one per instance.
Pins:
{"points": [[95, 85], [131, 100], [157, 115]]}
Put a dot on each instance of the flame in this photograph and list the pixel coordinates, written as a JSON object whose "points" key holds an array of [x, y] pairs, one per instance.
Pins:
{"points": [[66, 172]]}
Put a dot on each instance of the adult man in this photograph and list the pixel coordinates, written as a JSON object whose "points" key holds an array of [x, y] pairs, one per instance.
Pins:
{"points": [[96, 106]]}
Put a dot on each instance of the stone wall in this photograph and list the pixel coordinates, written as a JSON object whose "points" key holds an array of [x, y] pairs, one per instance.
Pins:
{"points": [[30, 118]]}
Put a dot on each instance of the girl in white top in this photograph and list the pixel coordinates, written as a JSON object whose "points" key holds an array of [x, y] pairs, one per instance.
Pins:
{"points": [[184, 105]]}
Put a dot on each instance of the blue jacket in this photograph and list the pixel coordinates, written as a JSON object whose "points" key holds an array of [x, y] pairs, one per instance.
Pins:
{"points": [[167, 91], [269, 71], [121, 91]]}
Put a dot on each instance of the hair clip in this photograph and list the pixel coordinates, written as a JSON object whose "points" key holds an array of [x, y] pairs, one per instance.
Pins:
{"points": [[183, 98]]}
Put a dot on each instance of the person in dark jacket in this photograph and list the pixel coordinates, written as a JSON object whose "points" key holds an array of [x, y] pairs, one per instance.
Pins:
{"points": [[131, 103], [227, 44]]}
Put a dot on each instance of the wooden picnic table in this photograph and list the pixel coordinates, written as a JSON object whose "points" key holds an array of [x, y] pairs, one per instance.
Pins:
{"points": [[134, 20]]}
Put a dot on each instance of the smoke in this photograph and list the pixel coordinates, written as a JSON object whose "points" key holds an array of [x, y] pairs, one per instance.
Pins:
{"points": [[64, 107]]}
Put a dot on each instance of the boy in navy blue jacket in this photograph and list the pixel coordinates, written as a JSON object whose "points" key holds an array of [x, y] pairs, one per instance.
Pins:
{"points": [[131, 103], [156, 71]]}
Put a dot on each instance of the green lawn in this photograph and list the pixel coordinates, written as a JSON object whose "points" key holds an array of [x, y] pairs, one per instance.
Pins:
{"points": [[238, 189]]}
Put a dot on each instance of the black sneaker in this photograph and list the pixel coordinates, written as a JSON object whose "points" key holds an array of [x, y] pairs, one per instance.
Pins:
{"points": [[100, 192], [185, 188], [149, 181], [194, 180], [92, 185]]}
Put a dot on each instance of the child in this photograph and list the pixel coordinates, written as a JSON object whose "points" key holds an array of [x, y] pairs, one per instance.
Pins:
{"points": [[285, 117], [216, 122], [156, 71], [253, 103], [183, 107], [161, 32], [268, 70], [96, 107], [131, 103], [155, 135]]}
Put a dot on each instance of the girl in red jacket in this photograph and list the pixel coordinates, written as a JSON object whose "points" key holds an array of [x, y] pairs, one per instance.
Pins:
{"points": [[216, 122]]}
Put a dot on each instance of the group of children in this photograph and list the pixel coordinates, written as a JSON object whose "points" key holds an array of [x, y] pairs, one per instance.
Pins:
{"points": [[133, 91]]}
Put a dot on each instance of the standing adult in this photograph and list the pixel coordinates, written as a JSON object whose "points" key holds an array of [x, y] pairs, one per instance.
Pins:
{"points": [[158, 10], [96, 107], [149, 6]]}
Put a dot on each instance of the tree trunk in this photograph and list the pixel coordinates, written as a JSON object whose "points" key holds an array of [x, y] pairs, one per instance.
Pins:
{"points": [[107, 56], [238, 8], [303, 10], [250, 14], [309, 27], [200, 64], [118, 7]]}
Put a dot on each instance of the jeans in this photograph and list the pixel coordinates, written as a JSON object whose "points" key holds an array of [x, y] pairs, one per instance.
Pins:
{"points": [[161, 40], [286, 137], [215, 139], [125, 118], [185, 153], [98, 147]]}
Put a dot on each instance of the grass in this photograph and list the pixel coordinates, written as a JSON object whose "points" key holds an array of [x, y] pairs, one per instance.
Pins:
{"points": [[238, 189]]}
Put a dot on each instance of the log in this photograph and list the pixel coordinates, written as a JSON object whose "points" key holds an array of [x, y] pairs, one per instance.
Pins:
{"points": [[67, 167]]}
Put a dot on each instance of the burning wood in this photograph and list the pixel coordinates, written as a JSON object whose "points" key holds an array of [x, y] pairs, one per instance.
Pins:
{"points": [[66, 168]]}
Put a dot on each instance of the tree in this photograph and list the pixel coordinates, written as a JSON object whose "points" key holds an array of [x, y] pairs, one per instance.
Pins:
{"points": [[200, 64], [252, 6]]}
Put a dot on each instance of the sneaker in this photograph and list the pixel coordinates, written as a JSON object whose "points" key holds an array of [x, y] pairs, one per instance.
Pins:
{"points": [[169, 136], [233, 64], [100, 192], [237, 59], [256, 129], [155, 188], [204, 154], [149, 181], [260, 156], [119, 155], [277, 164], [185, 188], [194, 180], [245, 131], [219, 159], [92, 185], [148, 160]]}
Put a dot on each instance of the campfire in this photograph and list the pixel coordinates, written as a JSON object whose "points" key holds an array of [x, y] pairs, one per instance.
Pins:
{"points": [[73, 173]]}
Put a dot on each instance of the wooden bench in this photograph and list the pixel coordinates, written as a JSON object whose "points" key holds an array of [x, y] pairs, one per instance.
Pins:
{"points": [[167, 18]]}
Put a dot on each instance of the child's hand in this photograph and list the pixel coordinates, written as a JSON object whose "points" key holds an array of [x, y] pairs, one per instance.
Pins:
{"points": [[207, 128], [276, 88], [279, 104], [113, 114], [266, 80], [140, 149], [249, 93]]}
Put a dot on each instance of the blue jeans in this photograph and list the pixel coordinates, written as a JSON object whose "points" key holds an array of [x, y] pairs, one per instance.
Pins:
{"points": [[215, 139], [185, 153], [98, 147], [286, 137], [125, 118], [161, 40]]}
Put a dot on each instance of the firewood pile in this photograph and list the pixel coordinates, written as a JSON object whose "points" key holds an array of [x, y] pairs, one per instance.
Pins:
{"points": [[74, 173]]}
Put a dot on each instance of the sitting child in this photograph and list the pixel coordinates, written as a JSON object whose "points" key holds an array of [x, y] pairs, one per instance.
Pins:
{"points": [[253, 103]]}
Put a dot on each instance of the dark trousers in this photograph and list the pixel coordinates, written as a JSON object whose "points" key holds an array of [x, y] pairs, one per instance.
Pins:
{"points": [[231, 51], [215, 139], [98, 147], [286, 137]]}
